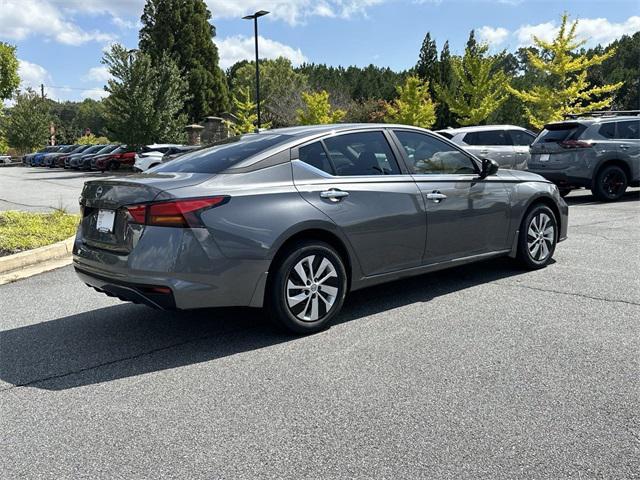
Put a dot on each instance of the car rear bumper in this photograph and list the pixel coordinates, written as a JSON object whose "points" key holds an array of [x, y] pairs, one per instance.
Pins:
{"points": [[189, 264]]}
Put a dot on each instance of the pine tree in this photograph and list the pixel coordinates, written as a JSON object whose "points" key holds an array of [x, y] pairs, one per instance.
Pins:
{"points": [[565, 88], [317, 109], [182, 30], [444, 117], [144, 99], [477, 89], [413, 105], [246, 113], [427, 67]]}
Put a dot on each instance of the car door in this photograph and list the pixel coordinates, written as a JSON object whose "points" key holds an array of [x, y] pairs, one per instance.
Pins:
{"points": [[628, 144], [356, 180], [465, 215], [521, 140], [493, 144]]}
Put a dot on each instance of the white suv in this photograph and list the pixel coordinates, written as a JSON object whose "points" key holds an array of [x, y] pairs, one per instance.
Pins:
{"points": [[151, 156]]}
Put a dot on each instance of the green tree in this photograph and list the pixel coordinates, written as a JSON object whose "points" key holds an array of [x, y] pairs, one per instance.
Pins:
{"points": [[91, 115], [565, 88], [28, 121], [91, 139], [413, 106], [246, 114], [144, 101], [281, 88], [444, 117], [9, 79], [477, 90], [427, 67], [181, 29], [317, 109]]}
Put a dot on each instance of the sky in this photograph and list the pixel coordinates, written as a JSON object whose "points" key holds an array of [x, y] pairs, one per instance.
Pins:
{"points": [[60, 42]]}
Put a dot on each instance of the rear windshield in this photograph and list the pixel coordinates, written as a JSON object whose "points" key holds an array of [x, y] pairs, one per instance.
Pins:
{"points": [[224, 154], [560, 133]]}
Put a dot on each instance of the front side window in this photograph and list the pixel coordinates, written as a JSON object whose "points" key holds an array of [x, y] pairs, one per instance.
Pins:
{"points": [[487, 137], [429, 155], [608, 130], [629, 129], [521, 138], [362, 153]]}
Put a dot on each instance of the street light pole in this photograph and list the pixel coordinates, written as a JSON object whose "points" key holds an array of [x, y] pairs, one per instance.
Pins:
{"points": [[255, 17]]}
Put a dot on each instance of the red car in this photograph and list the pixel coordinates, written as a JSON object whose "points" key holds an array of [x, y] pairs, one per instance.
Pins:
{"points": [[116, 159]]}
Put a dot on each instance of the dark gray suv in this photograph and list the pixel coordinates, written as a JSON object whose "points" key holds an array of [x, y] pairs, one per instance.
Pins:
{"points": [[600, 153], [293, 219]]}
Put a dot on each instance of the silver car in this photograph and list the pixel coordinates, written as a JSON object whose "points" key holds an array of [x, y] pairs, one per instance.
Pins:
{"points": [[506, 144], [293, 219]]}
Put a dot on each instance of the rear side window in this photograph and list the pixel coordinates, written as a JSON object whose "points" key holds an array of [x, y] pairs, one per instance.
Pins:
{"points": [[223, 155], [561, 133], [489, 137], [608, 130], [521, 138], [629, 129], [314, 155], [363, 153]]}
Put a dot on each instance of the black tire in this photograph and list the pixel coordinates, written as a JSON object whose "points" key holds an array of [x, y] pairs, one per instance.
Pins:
{"points": [[530, 232], [610, 184], [564, 192], [114, 166], [280, 298]]}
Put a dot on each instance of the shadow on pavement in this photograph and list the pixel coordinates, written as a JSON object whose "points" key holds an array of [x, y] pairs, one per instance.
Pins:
{"points": [[578, 200], [127, 340]]}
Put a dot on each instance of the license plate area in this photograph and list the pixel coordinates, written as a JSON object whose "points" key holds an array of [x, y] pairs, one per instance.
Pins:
{"points": [[105, 220]]}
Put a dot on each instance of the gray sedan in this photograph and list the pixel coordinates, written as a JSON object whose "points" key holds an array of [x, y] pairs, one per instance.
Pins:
{"points": [[506, 144], [293, 219]]}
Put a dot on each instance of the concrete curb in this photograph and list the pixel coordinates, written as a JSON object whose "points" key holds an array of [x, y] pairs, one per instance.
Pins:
{"points": [[39, 260]]}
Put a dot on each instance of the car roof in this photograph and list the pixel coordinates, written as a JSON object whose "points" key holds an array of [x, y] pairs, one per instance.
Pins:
{"points": [[481, 128], [596, 120]]}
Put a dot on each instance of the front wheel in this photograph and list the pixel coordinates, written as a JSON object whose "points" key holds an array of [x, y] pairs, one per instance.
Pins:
{"points": [[610, 184], [538, 237], [564, 192], [308, 287]]}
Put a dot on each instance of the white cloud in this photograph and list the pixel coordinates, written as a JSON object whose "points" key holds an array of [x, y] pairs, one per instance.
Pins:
{"points": [[22, 18], [594, 30], [97, 74], [493, 36], [94, 93], [32, 75], [239, 47]]}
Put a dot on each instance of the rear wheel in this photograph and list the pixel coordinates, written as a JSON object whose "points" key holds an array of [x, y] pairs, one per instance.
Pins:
{"points": [[611, 183], [113, 166], [308, 287], [538, 237]]}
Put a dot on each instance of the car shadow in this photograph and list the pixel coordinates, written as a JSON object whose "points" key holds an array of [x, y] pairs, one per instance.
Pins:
{"points": [[128, 340], [578, 200]]}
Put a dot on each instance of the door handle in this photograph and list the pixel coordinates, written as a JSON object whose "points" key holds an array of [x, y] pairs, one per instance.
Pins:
{"points": [[624, 147], [436, 196], [484, 151], [334, 194]]}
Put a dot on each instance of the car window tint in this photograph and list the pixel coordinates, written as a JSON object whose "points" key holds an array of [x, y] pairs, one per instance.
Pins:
{"points": [[488, 137], [521, 138], [224, 154], [362, 153], [629, 129], [560, 133], [314, 155], [429, 155], [608, 130]]}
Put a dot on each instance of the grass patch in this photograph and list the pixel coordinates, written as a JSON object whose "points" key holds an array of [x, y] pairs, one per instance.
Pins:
{"points": [[26, 230]]}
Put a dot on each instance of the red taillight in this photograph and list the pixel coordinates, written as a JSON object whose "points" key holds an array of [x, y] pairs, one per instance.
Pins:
{"points": [[175, 213], [575, 144]]}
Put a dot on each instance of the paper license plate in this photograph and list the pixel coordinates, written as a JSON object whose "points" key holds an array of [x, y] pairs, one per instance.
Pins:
{"points": [[105, 221], [544, 157]]}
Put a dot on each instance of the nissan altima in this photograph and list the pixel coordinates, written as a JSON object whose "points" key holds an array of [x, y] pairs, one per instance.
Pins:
{"points": [[293, 219]]}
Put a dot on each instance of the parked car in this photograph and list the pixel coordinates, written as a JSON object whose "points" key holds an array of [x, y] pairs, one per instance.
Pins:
{"points": [[5, 159], [600, 153], [121, 156], [88, 161], [293, 219], [50, 159], [150, 156], [37, 159], [28, 158], [76, 159], [62, 159], [506, 144], [175, 152]]}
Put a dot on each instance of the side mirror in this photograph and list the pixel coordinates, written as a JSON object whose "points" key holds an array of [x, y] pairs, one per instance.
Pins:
{"points": [[489, 167]]}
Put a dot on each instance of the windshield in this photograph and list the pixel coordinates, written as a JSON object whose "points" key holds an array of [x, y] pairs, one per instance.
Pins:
{"points": [[224, 154]]}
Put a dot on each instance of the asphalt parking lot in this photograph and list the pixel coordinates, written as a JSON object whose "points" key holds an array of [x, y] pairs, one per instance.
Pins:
{"points": [[483, 371]]}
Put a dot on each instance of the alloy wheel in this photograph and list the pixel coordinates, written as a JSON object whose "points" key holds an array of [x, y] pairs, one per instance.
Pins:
{"points": [[312, 288], [540, 237], [613, 183]]}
